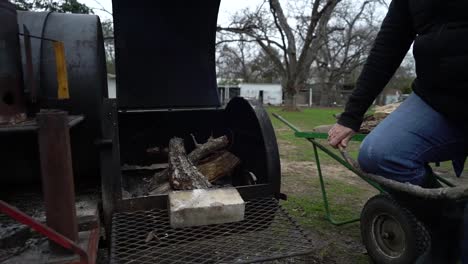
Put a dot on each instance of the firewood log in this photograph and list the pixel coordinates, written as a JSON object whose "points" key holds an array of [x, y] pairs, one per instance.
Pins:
{"points": [[216, 167], [200, 152], [184, 176], [219, 166]]}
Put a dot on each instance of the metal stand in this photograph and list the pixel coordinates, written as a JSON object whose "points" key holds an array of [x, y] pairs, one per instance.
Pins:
{"points": [[57, 174], [73, 235], [311, 137]]}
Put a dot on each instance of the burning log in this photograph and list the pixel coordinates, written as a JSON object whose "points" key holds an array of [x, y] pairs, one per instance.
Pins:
{"points": [[184, 176]]}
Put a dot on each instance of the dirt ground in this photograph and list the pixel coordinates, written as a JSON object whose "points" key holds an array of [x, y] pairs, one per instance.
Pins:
{"points": [[300, 181], [347, 194], [332, 244]]}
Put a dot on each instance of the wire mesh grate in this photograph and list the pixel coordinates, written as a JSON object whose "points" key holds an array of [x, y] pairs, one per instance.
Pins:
{"points": [[266, 234]]}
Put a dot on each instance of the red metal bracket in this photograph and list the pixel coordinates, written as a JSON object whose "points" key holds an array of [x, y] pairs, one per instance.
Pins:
{"points": [[44, 230]]}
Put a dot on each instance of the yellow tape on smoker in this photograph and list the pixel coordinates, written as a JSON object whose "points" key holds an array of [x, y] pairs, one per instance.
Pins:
{"points": [[62, 76]]}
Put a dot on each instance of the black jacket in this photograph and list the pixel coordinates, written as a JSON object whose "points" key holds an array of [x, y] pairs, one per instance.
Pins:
{"points": [[439, 30]]}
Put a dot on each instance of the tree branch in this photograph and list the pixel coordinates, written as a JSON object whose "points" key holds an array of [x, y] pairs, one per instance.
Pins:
{"points": [[247, 32], [102, 8], [281, 19]]}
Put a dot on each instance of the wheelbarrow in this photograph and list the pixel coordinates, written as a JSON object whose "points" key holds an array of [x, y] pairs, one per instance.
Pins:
{"points": [[394, 227]]}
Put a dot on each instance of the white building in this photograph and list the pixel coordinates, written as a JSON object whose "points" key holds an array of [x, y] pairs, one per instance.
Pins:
{"points": [[111, 86], [267, 93]]}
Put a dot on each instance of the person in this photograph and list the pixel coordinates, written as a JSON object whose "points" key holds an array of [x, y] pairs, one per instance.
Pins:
{"points": [[431, 125]]}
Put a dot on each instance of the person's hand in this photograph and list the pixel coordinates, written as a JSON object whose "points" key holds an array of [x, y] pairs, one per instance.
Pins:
{"points": [[339, 136]]}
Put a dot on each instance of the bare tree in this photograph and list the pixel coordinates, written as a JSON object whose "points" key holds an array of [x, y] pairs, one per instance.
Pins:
{"points": [[271, 29], [242, 60], [108, 33], [234, 61], [327, 38], [347, 41]]}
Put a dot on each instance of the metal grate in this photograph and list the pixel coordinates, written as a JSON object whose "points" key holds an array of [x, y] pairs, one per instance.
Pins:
{"points": [[266, 234]]}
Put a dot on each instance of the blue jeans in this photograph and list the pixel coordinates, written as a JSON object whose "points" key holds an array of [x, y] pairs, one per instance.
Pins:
{"points": [[402, 146]]}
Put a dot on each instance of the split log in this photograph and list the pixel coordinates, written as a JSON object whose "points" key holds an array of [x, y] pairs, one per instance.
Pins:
{"points": [[158, 181], [370, 121], [369, 124], [127, 167], [452, 193], [158, 178], [184, 176], [163, 188], [214, 168], [380, 112], [219, 166], [203, 150]]}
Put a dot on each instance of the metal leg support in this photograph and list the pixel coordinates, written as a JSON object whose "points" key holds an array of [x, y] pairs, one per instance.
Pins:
{"points": [[325, 196], [57, 174]]}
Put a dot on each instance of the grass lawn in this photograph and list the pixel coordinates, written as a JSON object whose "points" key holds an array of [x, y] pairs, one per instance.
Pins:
{"points": [[347, 193], [300, 182], [306, 120]]}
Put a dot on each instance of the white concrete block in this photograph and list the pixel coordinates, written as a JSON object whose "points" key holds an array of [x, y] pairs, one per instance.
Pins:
{"points": [[205, 207]]}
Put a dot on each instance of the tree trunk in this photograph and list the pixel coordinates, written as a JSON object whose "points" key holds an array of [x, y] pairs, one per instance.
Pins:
{"points": [[325, 92], [290, 96]]}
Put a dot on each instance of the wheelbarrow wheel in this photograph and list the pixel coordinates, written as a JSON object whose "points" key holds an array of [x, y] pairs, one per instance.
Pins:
{"points": [[391, 233]]}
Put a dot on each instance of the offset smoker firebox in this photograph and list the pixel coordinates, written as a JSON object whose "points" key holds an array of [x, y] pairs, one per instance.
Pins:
{"points": [[166, 87]]}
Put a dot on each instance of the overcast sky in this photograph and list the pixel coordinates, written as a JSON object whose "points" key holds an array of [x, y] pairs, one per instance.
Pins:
{"points": [[227, 8]]}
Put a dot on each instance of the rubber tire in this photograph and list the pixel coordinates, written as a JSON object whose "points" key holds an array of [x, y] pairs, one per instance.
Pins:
{"points": [[416, 235]]}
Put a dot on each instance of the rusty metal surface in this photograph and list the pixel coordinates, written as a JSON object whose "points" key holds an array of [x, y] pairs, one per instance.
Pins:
{"points": [[57, 174], [69, 247], [30, 125], [11, 80], [19, 244], [37, 252], [32, 203]]}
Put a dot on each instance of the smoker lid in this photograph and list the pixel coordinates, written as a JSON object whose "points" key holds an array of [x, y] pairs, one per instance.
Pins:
{"points": [[165, 53]]}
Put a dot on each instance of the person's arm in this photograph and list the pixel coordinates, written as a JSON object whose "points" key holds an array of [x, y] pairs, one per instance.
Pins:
{"points": [[390, 47]]}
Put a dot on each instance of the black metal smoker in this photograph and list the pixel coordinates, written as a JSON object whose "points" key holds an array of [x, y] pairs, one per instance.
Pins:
{"points": [[49, 178], [166, 87]]}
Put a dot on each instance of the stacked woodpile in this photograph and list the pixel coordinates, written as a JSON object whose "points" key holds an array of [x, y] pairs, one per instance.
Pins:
{"points": [[380, 113], [369, 122]]}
